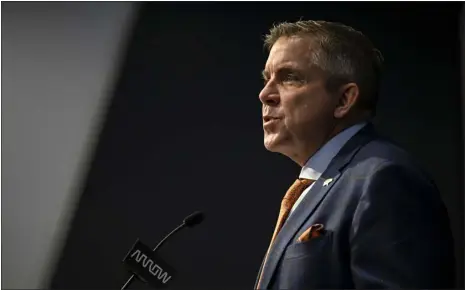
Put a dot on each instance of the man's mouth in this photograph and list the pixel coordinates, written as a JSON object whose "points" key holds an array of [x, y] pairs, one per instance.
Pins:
{"points": [[269, 118]]}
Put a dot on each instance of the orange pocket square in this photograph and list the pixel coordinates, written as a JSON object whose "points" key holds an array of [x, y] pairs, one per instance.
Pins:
{"points": [[312, 232]]}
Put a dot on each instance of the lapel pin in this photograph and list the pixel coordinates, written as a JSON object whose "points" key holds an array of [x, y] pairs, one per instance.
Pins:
{"points": [[327, 181]]}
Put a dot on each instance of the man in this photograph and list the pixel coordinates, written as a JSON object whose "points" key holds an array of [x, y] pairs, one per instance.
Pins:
{"points": [[361, 214]]}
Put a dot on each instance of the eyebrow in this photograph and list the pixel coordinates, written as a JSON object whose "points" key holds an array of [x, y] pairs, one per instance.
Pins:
{"points": [[284, 68]]}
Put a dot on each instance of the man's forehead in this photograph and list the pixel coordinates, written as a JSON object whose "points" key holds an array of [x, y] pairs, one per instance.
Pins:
{"points": [[291, 53]]}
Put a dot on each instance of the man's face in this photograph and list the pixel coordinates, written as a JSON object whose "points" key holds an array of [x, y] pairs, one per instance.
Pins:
{"points": [[297, 109]]}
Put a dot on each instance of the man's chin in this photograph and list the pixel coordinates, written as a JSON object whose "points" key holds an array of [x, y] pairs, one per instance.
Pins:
{"points": [[278, 143], [272, 144], [269, 147]]}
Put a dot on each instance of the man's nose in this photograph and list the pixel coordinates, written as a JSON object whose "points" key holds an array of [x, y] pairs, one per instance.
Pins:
{"points": [[269, 96]]}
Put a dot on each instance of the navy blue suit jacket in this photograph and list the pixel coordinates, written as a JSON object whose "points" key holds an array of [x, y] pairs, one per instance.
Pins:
{"points": [[385, 226]]}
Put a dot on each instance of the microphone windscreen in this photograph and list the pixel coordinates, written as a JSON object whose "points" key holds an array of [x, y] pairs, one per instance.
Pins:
{"points": [[194, 219]]}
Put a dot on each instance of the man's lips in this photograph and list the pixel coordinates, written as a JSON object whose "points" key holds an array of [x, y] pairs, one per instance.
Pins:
{"points": [[269, 118], [269, 121]]}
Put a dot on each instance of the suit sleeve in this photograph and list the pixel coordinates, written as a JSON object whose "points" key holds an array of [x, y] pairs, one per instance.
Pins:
{"points": [[400, 235]]}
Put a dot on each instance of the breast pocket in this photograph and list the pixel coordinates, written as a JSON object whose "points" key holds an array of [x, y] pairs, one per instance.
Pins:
{"points": [[309, 248], [307, 265]]}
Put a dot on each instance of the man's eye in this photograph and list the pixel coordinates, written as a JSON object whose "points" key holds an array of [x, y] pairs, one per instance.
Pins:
{"points": [[291, 78]]}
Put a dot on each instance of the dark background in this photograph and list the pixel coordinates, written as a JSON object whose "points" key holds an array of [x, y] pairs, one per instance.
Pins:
{"points": [[183, 133]]}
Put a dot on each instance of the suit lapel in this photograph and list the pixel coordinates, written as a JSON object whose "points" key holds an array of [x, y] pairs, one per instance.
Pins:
{"points": [[292, 225], [259, 273], [311, 201]]}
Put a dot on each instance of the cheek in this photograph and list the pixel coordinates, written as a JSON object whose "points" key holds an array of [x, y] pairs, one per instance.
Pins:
{"points": [[299, 108], [307, 107]]}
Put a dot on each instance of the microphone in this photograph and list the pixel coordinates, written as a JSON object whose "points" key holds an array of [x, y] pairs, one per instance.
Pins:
{"points": [[155, 273], [194, 219]]}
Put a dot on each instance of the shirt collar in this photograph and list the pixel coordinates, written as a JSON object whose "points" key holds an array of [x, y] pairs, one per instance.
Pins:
{"points": [[318, 163]]}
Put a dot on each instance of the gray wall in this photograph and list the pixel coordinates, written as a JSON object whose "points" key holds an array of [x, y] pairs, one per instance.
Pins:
{"points": [[462, 42], [59, 62]]}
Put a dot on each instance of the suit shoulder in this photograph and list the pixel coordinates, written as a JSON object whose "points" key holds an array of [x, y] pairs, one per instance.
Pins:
{"points": [[381, 156]]}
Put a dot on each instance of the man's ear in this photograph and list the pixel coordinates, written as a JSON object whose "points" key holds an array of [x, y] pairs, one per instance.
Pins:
{"points": [[348, 96]]}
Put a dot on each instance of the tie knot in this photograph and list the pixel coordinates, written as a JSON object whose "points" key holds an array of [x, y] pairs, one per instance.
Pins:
{"points": [[305, 182], [296, 190]]}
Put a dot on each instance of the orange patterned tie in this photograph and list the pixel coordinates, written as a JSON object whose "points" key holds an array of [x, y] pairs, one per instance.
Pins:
{"points": [[289, 199]]}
